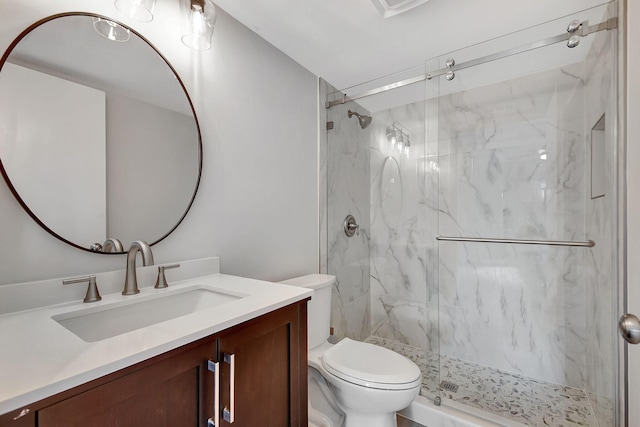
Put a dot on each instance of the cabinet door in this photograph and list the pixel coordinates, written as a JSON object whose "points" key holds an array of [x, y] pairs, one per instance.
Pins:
{"points": [[23, 417], [270, 370], [172, 392]]}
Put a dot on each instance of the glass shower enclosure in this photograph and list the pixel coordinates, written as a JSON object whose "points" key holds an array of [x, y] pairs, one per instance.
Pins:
{"points": [[486, 197]]}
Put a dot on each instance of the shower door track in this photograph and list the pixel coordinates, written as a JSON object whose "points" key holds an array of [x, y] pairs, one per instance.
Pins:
{"points": [[585, 30], [587, 243]]}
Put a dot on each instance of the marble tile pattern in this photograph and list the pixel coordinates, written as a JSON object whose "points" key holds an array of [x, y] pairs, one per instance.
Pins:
{"points": [[505, 160], [347, 192], [512, 158], [402, 234], [508, 396], [511, 163]]}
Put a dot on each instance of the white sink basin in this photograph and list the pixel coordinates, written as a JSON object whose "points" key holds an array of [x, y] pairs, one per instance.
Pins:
{"points": [[109, 320]]}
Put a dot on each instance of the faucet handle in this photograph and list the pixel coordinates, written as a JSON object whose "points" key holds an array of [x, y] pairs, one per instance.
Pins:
{"points": [[92, 290], [161, 281]]}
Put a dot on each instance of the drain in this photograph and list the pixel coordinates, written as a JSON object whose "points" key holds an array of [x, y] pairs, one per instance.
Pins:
{"points": [[447, 386]]}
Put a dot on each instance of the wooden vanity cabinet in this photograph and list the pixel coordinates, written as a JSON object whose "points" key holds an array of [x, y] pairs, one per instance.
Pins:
{"points": [[176, 388], [270, 377]]}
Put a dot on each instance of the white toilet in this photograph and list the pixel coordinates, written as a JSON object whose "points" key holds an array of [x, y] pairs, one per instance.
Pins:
{"points": [[352, 383]]}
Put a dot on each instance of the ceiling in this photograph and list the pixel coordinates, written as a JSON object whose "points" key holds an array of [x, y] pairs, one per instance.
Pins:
{"points": [[347, 42]]}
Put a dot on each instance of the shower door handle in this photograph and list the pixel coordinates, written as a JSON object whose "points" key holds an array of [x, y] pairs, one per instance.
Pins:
{"points": [[629, 326]]}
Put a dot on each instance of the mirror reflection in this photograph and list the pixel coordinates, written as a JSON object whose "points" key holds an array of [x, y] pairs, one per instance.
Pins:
{"points": [[98, 138]]}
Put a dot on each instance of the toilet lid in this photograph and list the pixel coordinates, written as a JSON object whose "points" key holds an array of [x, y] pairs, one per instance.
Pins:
{"points": [[371, 366]]}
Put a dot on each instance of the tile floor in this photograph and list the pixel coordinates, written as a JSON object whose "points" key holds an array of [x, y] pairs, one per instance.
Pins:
{"points": [[525, 400]]}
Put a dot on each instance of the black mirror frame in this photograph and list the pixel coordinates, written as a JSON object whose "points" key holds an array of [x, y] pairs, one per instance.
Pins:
{"points": [[22, 203]]}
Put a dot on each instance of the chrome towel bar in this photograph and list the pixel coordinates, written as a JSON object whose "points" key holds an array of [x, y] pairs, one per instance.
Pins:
{"points": [[587, 244]]}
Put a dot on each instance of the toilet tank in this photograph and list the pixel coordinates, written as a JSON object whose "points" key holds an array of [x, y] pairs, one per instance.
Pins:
{"points": [[319, 308]]}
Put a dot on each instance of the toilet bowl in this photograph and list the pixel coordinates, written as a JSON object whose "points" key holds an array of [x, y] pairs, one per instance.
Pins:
{"points": [[352, 383]]}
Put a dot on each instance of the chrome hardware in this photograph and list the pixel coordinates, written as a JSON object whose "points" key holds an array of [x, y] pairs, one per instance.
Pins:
{"points": [[22, 413], [131, 279], [450, 74], [437, 401], [449, 386], [363, 120], [161, 281], [112, 245], [586, 29], [350, 226], [587, 243], [213, 367], [629, 326], [574, 26], [576, 29], [229, 414], [573, 41], [109, 245], [92, 294]]}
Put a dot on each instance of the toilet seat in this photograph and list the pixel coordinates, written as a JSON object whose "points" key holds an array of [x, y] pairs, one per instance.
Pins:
{"points": [[371, 366]]}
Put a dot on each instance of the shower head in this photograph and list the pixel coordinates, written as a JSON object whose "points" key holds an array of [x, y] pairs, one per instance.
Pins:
{"points": [[362, 119]]}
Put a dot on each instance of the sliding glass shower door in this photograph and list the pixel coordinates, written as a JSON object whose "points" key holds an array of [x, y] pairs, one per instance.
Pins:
{"points": [[526, 223], [484, 190]]}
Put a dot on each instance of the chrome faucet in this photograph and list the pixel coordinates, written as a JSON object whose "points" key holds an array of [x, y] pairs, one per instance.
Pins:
{"points": [[112, 245], [131, 280]]}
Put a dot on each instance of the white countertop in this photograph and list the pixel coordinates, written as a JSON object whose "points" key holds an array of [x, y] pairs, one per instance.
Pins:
{"points": [[39, 357]]}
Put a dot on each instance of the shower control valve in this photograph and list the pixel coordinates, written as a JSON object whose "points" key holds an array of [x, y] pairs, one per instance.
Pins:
{"points": [[350, 226]]}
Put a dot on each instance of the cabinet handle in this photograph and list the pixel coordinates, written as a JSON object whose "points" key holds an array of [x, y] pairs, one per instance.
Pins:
{"points": [[213, 367], [22, 414], [229, 414]]}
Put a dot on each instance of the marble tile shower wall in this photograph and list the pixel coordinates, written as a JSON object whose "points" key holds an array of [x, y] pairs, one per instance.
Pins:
{"points": [[512, 164], [511, 160], [403, 227], [347, 190]]}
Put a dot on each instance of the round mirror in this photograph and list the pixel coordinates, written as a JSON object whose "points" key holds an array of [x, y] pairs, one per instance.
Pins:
{"points": [[99, 141]]}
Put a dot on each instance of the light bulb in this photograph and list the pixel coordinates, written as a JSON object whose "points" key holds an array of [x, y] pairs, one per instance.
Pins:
{"points": [[112, 34], [197, 22]]}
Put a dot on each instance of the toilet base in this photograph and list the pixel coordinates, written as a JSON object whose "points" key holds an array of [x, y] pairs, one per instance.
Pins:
{"points": [[355, 419]]}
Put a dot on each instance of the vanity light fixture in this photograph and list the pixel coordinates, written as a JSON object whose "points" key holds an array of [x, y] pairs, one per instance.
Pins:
{"points": [[111, 30], [399, 139], [140, 10], [201, 18]]}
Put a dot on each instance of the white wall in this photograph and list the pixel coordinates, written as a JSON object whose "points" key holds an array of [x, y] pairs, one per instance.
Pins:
{"points": [[257, 203], [55, 128], [152, 168]]}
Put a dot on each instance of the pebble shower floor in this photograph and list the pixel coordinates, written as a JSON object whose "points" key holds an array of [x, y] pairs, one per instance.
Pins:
{"points": [[527, 401]]}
